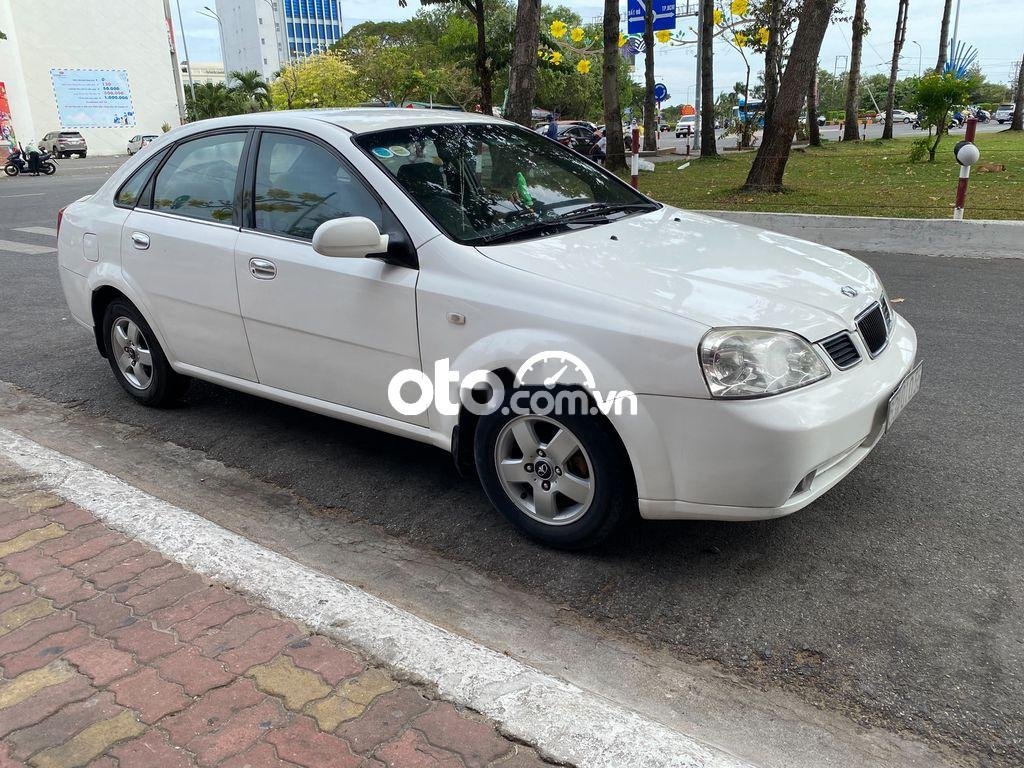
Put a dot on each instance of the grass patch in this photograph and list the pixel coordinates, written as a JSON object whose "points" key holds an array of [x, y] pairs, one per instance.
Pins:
{"points": [[869, 178]]}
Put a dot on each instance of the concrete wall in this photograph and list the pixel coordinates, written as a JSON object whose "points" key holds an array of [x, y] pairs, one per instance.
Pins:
{"points": [[929, 237], [86, 34]]}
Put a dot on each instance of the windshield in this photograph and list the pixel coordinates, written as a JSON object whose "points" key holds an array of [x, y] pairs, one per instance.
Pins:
{"points": [[486, 182]]}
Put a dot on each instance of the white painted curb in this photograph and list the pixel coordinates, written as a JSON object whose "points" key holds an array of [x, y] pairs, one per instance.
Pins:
{"points": [[563, 722], [977, 238]]}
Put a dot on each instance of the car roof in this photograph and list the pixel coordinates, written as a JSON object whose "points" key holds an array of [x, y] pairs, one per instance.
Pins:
{"points": [[355, 120]]}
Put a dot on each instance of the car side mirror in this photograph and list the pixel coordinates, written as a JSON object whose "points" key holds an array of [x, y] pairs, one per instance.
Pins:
{"points": [[353, 237]]}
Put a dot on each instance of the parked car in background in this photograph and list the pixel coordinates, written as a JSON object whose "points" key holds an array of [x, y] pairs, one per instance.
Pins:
{"points": [[898, 116], [317, 258], [1004, 113], [138, 141], [63, 144]]}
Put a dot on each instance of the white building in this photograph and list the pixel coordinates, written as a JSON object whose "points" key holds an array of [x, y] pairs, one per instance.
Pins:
{"points": [[251, 36], [264, 35], [202, 72], [104, 71]]}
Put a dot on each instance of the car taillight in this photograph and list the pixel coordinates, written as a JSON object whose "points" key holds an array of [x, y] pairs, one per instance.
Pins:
{"points": [[60, 218]]}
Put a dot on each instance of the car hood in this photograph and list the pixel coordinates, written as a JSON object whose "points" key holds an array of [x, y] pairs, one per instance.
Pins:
{"points": [[709, 270]]}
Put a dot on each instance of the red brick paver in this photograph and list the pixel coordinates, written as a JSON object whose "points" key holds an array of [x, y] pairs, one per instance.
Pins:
{"points": [[113, 657]]}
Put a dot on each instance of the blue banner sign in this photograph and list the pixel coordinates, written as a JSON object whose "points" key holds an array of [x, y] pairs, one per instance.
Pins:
{"points": [[664, 15]]}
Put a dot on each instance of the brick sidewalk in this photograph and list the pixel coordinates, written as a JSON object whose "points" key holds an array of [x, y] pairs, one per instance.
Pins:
{"points": [[114, 657]]}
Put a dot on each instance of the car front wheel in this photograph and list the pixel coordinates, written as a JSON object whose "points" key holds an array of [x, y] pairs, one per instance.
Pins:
{"points": [[562, 479], [135, 356]]}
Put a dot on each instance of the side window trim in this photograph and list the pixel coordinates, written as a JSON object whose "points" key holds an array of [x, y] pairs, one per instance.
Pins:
{"points": [[146, 196]]}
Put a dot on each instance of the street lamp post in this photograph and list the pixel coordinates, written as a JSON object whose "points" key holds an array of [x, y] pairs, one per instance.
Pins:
{"points": [[919, 51], [188, 59]]}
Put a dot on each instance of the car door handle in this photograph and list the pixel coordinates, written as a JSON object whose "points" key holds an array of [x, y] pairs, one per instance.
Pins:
{"points": [[140, 240], [262, 269]]}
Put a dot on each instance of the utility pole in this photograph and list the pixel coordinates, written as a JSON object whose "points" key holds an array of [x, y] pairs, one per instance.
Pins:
{"points": [[696, 95], [956, 27], [178, 92]]}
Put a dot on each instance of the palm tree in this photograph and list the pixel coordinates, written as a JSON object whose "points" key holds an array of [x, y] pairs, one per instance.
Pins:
{"points": [[616, 159], [212, 100], [852, 130], [894, 70], [708, 147], [251, 89], [522, 80], [947, 10]]}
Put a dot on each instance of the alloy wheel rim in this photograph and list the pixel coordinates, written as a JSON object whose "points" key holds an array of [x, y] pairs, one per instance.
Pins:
{"points": [[544, 470], [132, 353]]}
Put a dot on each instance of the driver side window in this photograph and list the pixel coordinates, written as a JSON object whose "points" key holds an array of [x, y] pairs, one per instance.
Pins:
{"points": [[300, 184]]}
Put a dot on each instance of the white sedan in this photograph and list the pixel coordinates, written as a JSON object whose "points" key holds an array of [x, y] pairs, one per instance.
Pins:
{"points": [[140, 140], [898, 116], [461, 281]]}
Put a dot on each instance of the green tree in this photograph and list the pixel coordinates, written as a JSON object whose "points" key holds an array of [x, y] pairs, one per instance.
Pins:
{"points": [[320, 80], [252, 89], [851, 131], [937, 97]]}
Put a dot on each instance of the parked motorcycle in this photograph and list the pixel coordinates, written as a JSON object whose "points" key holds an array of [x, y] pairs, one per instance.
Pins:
{"points": [[18, 163], [982, 115]]}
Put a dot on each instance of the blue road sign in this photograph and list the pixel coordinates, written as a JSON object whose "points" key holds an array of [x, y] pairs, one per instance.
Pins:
{"points": [[660, 92], [664, 15]]}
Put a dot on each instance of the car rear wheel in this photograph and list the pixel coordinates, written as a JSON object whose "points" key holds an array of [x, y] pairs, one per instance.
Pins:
{"points": [[562, 479], [136, 358]]}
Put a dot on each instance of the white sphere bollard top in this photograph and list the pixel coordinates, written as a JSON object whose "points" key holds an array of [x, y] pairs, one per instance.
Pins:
{"points": [[966, 153]]}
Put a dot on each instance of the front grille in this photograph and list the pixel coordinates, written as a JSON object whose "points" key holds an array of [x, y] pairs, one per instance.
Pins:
{"points": [[873, 329], [842, 350]]}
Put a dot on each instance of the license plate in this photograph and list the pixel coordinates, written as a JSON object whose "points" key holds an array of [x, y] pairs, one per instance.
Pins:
{"points": [[904, 394]]}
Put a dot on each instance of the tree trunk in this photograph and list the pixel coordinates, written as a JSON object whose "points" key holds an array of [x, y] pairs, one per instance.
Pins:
{"points": [[483, 61], [897, 46], [708, 148], [813, 130], [522, 80], [651, 120], [770, 162], [944, 36], [852, 130], [1017, 123], [772, 53], [616, 154]]}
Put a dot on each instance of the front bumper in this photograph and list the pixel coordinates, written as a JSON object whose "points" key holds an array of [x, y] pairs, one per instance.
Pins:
{"points": [[769, 457]]}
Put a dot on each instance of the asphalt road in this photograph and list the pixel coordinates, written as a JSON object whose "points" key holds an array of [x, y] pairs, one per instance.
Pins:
{"points": [[896, 597]]}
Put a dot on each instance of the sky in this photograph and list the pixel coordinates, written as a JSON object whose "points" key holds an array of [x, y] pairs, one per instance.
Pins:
{"points": [[994, 27]]}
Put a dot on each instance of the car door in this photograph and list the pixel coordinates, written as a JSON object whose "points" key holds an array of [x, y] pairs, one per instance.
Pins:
{"points": [[336, 329], [178, 248]]}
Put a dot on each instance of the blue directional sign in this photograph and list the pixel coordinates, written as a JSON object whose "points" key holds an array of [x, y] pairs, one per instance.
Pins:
{"points": [[664, 15], [660, 92]]}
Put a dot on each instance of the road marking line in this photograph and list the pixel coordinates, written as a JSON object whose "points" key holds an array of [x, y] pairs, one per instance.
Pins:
{"points": [[27, 194], [564, 722], [49, 231], [25, 248]]}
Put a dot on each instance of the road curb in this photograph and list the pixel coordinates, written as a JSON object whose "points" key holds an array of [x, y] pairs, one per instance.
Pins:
{"points": [[973, 238], [564, 722]]}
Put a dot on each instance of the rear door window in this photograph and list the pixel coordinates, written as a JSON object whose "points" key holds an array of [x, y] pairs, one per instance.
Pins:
{"points": [[198, 179], [129, 193]]}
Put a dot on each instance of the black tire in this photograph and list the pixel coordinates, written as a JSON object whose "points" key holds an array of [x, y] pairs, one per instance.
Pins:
{"points": [[613, 499], [47, 168], [11, 169], [164, 386], [82, 155]]}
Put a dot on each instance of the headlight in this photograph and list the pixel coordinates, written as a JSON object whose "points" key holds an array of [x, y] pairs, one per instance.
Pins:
{"points": [[754, 362]]}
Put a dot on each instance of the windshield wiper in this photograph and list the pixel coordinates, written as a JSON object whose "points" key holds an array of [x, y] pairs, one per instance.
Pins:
{"points": [[594, 213]]}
